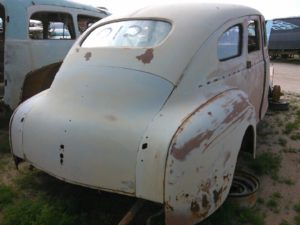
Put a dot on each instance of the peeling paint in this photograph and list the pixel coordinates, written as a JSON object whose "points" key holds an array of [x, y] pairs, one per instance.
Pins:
{"points": [[195, 207], [180, 153], [238, 107], [218, 195], [147, 57], [205, 202]]}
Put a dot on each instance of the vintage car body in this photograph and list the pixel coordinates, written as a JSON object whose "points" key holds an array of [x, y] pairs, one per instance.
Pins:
{"points": [[163, 122], [29, 58]]}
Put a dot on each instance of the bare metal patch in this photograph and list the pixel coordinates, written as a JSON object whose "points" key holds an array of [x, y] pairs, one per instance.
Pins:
{"points": [[147, 57]]}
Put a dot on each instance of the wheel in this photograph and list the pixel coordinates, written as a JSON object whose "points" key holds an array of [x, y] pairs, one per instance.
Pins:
{"points": [[243, 191], [280, 105]]}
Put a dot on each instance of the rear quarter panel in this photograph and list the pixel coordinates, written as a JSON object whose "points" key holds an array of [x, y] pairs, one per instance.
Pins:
{"points": [[203, 155]]}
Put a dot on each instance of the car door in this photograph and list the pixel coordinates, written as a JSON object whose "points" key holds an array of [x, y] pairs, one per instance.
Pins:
{"points": [[255, 64]]}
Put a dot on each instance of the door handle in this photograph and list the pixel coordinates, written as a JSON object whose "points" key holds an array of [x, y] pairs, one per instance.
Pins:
{"points": [[249, 64]]}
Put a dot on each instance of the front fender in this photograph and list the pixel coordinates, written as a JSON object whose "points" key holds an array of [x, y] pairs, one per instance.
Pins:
{"points": [[202, 157]]}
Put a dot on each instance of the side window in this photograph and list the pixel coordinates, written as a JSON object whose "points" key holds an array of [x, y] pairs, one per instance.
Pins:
{"points": [[84, 22], [51, 25], [230, 43], [253, 36]]}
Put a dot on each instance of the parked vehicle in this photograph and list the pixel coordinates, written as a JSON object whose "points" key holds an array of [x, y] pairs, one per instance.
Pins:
{"points": [[284, 38], [29, 54], [153, 104]]}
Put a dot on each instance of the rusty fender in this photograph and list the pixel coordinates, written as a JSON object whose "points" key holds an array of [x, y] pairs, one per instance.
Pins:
{"points": [[202, 157]]}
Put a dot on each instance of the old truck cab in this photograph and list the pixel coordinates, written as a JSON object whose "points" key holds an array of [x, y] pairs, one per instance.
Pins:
{"points": [[34, 39], [157, 104]]}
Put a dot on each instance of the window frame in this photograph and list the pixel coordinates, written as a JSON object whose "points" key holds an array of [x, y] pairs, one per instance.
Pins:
{"points": [[71, 28], [257, 36], [240, 44]]}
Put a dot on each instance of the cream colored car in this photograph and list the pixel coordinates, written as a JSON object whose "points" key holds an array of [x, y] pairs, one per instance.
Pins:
{"points": [[156, 104]]}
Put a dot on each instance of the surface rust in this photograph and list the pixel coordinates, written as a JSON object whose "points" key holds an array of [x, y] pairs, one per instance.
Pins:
{"points": [[180, 153], [147, 57]]}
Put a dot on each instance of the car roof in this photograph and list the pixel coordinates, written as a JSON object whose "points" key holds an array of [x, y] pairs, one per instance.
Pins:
{"points": [[192, 24]]}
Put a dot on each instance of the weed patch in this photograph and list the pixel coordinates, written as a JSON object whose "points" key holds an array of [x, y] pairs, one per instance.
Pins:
{"points": [[7, 196], [4, 143], [266, 163], [233, 215], [27, 212]]}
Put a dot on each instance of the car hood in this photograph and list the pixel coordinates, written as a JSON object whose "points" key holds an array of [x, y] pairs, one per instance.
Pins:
{"points": [[88, 126]]}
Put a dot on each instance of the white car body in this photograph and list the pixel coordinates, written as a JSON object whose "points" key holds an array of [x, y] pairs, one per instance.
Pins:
{"points": [[163, 122]]}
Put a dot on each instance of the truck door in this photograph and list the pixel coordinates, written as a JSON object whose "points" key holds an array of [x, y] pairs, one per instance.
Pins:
{"points": [[255, 64]]}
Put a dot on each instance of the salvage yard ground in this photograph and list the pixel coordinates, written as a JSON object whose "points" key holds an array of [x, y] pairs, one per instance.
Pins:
{"points": [[29, 196]]}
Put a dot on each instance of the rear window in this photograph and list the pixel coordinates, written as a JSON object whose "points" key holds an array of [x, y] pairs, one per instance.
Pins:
{"points": [[133, 33]]}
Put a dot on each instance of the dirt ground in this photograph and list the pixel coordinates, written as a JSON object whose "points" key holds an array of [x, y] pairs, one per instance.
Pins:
{"points": [[287, 75]]}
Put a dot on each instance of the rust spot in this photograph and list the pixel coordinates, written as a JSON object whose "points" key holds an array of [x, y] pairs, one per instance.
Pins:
{"points": [[87, 56], [147, 57], [227, 157], [168, 207], [226, 178], [206, 187], [205, 202], [180, 153], [218, 196], [195, 207], [111, 118]]}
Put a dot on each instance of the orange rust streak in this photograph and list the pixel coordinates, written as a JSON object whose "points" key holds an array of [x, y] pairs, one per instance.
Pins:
{"points": [[147, 57], [180, 153]]}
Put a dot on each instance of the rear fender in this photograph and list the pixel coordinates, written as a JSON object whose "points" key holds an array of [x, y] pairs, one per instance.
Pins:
{"points": [[202, 157], [39, 80]]}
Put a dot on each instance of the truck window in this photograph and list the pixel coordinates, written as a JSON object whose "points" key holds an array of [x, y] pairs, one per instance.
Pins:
{"points": [[51, 25], [84, 22], [253, 36], [230, 43]]}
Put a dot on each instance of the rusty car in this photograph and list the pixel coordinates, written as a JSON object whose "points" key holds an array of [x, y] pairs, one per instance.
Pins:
{"points": [[155, 105], [29, 54]]}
